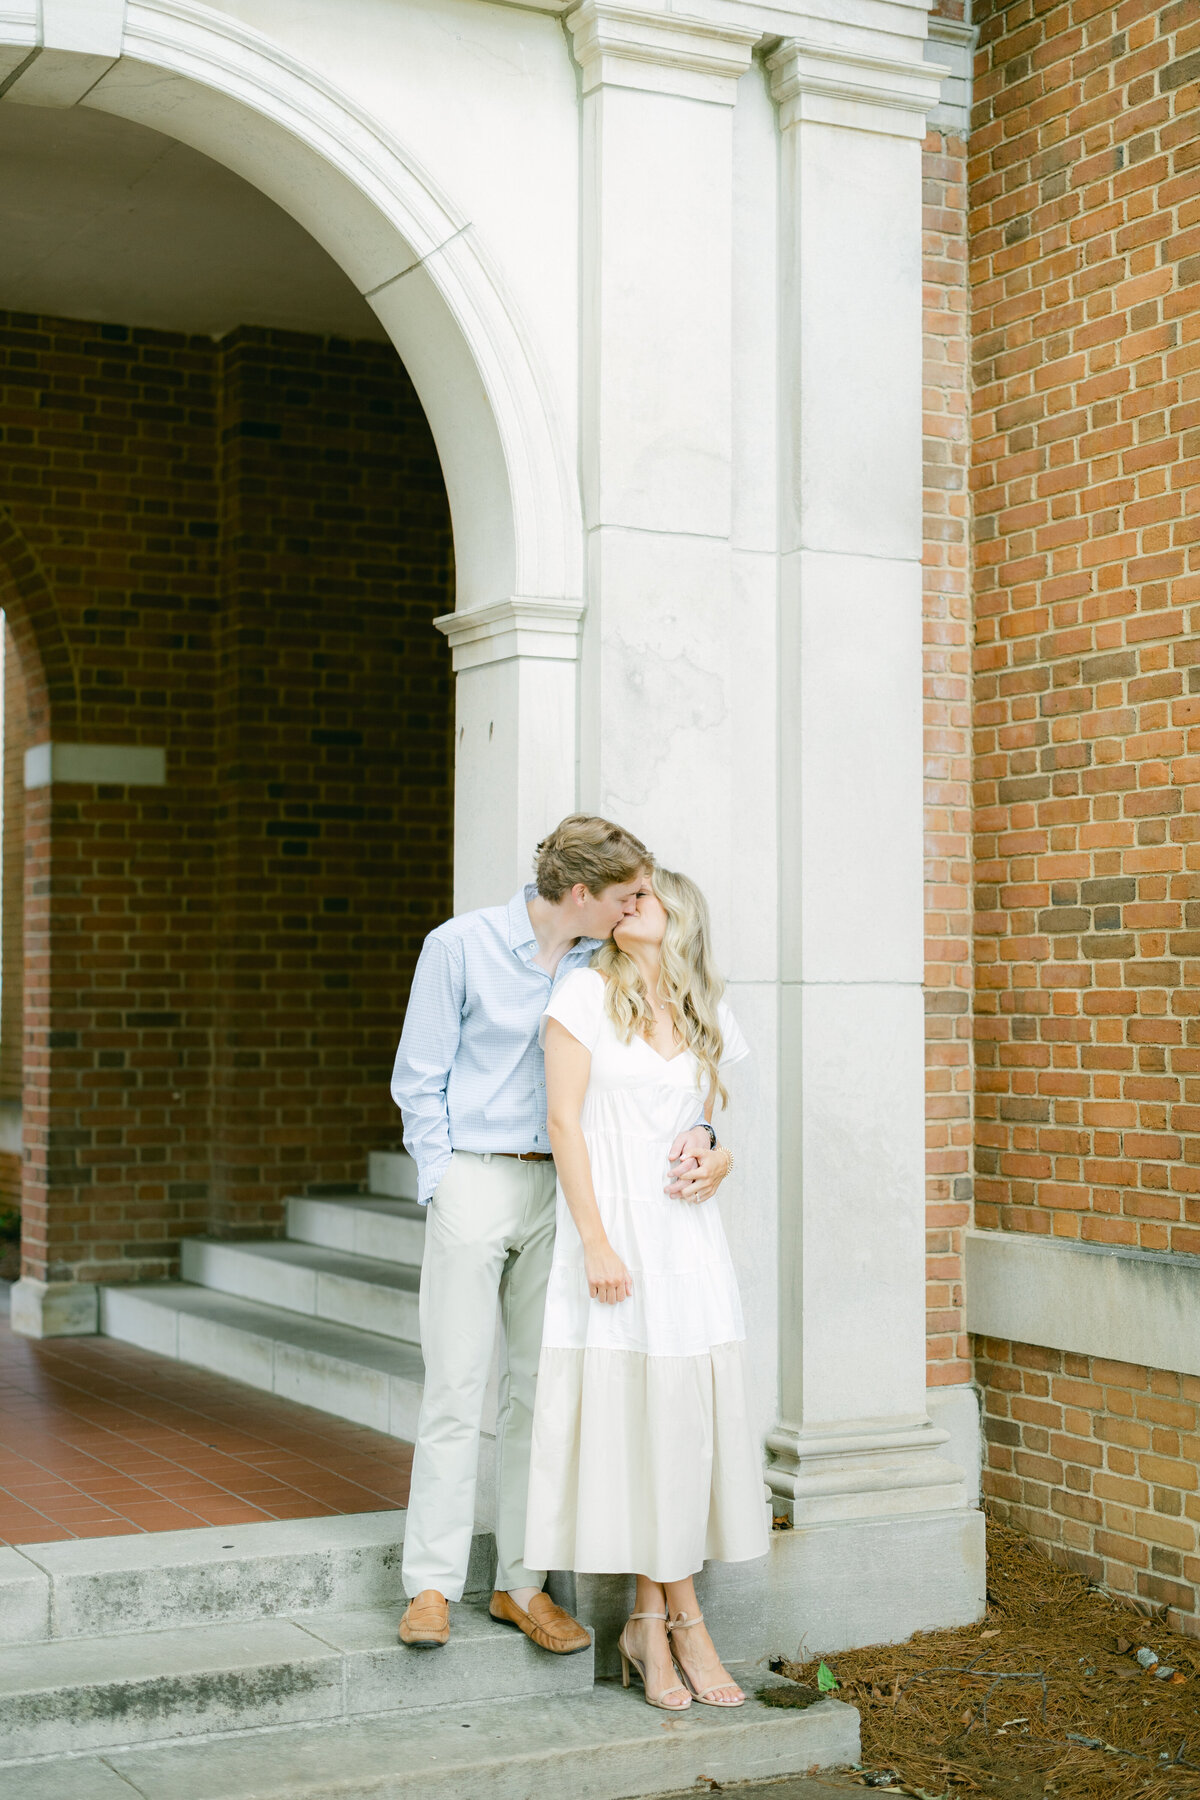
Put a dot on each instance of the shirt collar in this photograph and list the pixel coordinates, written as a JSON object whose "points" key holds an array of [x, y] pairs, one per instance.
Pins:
{"points": [[523, 939], [520, 926]]}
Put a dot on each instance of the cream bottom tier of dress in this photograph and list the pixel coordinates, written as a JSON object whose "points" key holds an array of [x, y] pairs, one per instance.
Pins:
{"points": [[643, 1460]]}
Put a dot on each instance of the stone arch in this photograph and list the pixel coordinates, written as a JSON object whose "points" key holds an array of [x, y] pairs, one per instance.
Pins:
{"points": [[224, 89], [29, 604]]}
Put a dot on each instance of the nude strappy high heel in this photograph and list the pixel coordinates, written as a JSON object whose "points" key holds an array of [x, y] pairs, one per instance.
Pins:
{"points": [[683, 1623], [627, 1657]]}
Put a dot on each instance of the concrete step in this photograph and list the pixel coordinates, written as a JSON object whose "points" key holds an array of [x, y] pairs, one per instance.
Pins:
{"points": [[360, 1291], [220, 1574], [92, 1693], [603, 1745], [354, 1374], [363, 1224], [392, 1173]]}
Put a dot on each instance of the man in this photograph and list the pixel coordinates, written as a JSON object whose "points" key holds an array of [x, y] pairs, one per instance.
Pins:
{"points": [[470, 1081]]}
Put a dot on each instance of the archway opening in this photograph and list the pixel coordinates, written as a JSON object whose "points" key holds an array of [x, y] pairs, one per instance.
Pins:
{"points": [[238, 822]]}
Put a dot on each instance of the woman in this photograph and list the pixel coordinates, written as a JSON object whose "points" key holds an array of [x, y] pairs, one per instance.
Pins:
{"points": [[642, 1457]]}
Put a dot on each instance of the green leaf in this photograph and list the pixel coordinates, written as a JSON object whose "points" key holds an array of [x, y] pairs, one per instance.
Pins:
{"points": [[826, 1679]]}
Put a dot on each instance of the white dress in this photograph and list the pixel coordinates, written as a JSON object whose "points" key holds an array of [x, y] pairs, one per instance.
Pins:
{"points": [[643, 1460]]}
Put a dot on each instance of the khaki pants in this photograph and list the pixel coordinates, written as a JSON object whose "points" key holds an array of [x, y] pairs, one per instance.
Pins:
{"points": [[489, 1233]]}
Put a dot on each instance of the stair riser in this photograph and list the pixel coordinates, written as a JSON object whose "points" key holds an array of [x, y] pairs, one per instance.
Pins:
{"points": [[387, 1311], [141, 1712], [507, 1668], [392, 1172], [337, 1225], [312, 1689], [24, 1600]]}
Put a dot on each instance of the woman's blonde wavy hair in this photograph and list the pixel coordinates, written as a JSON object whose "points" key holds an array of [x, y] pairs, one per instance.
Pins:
{"points": [[688, 979]]}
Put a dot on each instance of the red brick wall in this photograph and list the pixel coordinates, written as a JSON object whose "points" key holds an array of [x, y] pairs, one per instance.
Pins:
{"points": [[1085, 258], [1099, 1460], [947, 675], [235, 552]]}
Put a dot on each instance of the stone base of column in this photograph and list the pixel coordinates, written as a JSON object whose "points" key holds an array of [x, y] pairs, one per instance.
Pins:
{"points": [[864, 1469], [841, 1585], [43, 1309], [819, 1589]]}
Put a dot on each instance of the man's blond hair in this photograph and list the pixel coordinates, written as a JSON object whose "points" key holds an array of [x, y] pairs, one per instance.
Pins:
{"points": [[593, 851]]}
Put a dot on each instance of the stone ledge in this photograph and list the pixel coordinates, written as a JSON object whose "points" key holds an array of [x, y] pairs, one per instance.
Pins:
{"points": [[100, 765], [1131, 1306]]}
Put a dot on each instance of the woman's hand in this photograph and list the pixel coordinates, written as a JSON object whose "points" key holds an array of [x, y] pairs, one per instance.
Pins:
{"points": [[697, 1178], [607, 1277]]}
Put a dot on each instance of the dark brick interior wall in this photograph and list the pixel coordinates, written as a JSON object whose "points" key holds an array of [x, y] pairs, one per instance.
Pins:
{"points": [[235, 551], [12, 916], [12, 873], [334, 749]]}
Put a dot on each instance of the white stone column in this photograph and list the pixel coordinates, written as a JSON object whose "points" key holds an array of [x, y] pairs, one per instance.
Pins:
{"points": [[515, 665], [854, 1442], [657, 704]]}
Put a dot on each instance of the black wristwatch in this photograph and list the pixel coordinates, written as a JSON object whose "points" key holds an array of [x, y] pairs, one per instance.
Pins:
{"points": [[704, 1125]]}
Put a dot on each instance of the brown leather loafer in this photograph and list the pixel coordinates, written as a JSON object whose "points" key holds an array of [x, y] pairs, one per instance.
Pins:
{"points": [[547, 1624], [426, 1621]]}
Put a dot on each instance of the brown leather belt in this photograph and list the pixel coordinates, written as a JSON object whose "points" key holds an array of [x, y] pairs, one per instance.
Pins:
{"points": [[525, 1155]]}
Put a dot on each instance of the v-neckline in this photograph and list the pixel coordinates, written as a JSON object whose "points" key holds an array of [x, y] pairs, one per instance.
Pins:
{"points": [[666, 1060]]}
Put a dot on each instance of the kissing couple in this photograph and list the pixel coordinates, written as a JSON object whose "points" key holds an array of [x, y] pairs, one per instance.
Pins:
{"points": [[579, 1031]]}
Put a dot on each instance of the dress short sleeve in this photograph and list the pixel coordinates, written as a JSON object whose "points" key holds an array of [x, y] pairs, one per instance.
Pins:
{"points": [[578, 1003], [735, 1045]]}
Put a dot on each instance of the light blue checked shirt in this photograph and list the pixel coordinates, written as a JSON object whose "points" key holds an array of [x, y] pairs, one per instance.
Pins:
{"points": [[469, 1073]]}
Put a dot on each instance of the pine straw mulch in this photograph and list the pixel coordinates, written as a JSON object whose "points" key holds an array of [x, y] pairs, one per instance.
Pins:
{"points": [[1043, 1697]]}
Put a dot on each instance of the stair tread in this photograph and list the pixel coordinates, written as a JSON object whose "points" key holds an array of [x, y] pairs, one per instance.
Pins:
{"points": [[376, 1203], [244, 1644], [347, 1264], [346, 1343], [203, 1546], [600, 1744]]}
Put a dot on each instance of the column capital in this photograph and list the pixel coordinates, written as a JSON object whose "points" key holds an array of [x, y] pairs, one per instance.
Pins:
{"points": [[831, 85], [546, 630], [660, 52]]}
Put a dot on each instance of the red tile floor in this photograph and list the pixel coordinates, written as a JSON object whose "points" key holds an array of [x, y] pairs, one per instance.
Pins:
{"points": [[98, 1439]]}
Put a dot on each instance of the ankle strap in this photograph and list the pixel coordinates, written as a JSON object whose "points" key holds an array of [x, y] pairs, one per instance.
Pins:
{"points": [[659, 1616], [683, 1622]]}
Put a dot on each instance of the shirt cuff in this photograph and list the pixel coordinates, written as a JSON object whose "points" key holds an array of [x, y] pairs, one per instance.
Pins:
{"points": [[429, 1177]]}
